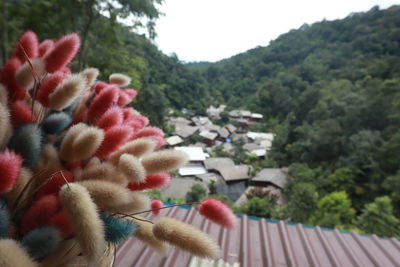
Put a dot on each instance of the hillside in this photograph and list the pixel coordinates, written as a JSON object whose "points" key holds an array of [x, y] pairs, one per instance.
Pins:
{"points": [[111, 47], [331, 93]]}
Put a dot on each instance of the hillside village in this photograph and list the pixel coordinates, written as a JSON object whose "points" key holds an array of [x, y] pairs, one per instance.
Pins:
{"points": [[212, 147]]}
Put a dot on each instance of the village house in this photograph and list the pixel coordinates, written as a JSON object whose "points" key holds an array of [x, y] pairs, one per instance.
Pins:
{"points": [[195, 165]]}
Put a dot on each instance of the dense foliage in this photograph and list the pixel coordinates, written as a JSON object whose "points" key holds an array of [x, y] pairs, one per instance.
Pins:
{"points": [[162, 81], [331, 93]]}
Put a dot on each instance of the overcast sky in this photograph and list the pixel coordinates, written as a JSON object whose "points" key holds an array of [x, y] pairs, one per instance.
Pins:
{"points": [[210, 30]]}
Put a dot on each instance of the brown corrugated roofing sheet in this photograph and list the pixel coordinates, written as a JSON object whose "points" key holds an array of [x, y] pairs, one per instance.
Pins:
{"points": [[260, 242]]}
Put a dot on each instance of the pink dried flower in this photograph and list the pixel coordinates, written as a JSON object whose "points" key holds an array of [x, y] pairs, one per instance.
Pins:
{"points": [[152, 181], [29, 44], [114, 137], [48, 86], [218, 212], [45, 47], [155, 206], [7, 77], [100, 86], [21, 113], [63, 52], [149, 131], [102, 102], [111, 117], [10, 167]]}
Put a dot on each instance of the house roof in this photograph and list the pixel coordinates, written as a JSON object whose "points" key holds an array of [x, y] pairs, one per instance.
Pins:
{"points": [[192, 169], [185, 131], [178, 120], [210, 176], [259, 152], [272, 175], [194, 153], [260, 242], [256, 116], [260, 136], [237, 172], [199, 121], [178, 187], [230, 128], [239, 113], [208, 135], [218, 163], [174, 140]]}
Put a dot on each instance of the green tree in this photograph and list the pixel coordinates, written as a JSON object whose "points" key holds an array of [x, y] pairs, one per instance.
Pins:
{"points": [[342, 179], [156, 194], [377, 218], [258, 206], [197, 193], [334, 210], [303, 201]]}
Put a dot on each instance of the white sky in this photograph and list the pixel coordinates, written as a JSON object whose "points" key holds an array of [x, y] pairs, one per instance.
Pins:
{"points": [[210, 30]]}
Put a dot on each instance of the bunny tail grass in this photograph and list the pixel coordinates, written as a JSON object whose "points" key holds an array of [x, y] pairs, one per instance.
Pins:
{"points": [[145, 234], [12, 254], [131, 168], [90, 75], [137, 148], [3, 95], [48, 86], [66, 92], [117, 229], [28, 46], [85, 221], [87, 143], [152, 181], [56, 122], [42, 241], [63, 52], [10, 167], [138, 202], [113, 116], [4, 219], [27, 141], [218, 212], [66, 148], [39, 213], [164, 161], [186, 237], [45, 47], [107, 194], [25, 175], [5, 125], [26, 77], [156, 206], [114, 138], [101, 171], [120, 79]]}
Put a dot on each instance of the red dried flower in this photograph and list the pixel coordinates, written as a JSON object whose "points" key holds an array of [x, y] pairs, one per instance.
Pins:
{"points": [[10, 166], [218, 212], [63, 52], [155, 206]]}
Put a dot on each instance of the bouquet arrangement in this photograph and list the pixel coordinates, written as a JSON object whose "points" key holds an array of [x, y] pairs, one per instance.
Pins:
{"points": [[74, 158]]}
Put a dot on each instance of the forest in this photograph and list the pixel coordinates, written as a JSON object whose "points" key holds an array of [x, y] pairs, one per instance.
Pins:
{"points": [[330, 91]]}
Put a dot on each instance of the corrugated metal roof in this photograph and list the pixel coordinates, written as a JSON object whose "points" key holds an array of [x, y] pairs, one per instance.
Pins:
{"points": [[260, 242]]}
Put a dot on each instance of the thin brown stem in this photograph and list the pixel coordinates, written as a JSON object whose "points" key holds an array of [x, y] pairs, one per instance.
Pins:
{"points": [[166, 207]]}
